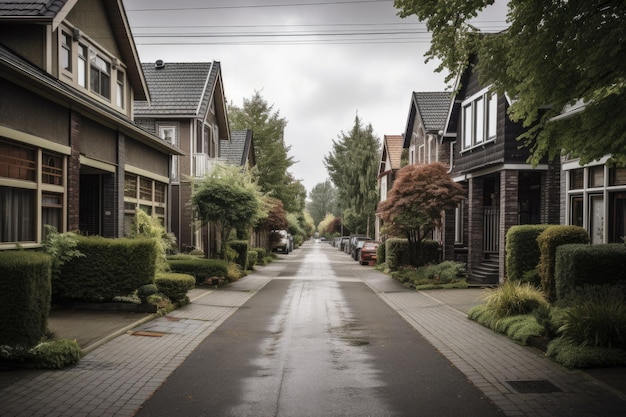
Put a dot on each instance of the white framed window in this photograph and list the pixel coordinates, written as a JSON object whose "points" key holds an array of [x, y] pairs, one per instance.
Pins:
{"points": [[66, 51], [81, 73], [119, 93], [169, 133], [480, 118], [99, 75]]}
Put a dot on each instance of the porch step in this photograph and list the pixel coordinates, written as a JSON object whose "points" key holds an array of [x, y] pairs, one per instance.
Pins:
{"points": [[487, 273]]}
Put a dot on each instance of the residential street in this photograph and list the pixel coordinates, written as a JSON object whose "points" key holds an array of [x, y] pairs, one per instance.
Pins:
{"points": [[317, 341]]}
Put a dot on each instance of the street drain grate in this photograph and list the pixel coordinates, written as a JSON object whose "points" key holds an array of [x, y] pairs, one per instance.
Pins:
{"points": [[536, 386], [147, 333]]}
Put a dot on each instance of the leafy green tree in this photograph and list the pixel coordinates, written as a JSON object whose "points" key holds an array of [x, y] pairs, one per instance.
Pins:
{"points": [[230, 199], [352, 165], [322, 201], [555, 57], [414, 205], [272, 159]]}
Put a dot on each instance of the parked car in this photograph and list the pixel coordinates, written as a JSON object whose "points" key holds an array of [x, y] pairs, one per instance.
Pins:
{"points": [[345, 242], [284, 245], [357, 245], [369, 252]]}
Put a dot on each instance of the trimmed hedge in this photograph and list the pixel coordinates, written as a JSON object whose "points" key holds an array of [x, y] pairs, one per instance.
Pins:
{"points": [[173, 285], [252, 259], [549, 240], [110, 268], [381, 254], [431, 253], [24, 297], [522, 250], [396, 252], [577, 265], [241, 247], [261, 252], [200, 268]]}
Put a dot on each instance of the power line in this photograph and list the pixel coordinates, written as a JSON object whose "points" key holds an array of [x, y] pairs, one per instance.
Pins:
{"points": [[256, 6]]}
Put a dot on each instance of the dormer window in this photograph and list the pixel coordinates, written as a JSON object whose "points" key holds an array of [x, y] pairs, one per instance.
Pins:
{"points": [[66, 51], [99, 75], [480, 116]]}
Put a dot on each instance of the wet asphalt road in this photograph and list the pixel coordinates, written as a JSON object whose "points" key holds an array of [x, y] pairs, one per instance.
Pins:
{"points": [[317, 341]]}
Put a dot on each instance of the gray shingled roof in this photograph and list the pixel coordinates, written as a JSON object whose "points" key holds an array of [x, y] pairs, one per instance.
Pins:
{"points": [[433, 108], [235, 151], [24, 8], [177, 88]]}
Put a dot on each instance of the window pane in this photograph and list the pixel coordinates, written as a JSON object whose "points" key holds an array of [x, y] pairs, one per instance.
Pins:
{"points": [[596, 176], [479, 121], [52, 169], [66, 51], [145, 189], [120, 89], [51, 212], [467, 126], [17, 162], [577, 179], [576, 218], [17, 215], [596, 215], [492, 116], [130, 186], [82, 65], [618, 176]]}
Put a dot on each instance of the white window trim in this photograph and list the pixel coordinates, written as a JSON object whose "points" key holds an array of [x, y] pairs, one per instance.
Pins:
{"points": [[470, 102]]}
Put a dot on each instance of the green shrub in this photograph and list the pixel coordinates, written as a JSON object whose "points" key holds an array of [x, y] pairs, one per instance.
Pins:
{"points": [[145, 291], [252, 259], [396, 252], [430, 252], [578, 265], [147, 227], [234, 271], [241, 247], [174, 285], [518, 327], [110, 268], [201, 268], [514, 298], [61, 247], [261, 252], [56, 354], [25, 288], [573, 355], [381, 254], [522, 251], [596, 316], [549, 240]]}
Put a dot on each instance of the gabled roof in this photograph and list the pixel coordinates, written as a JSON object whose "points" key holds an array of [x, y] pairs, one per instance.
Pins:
{"points": [[32, 9], [53, 12], [392, 152], [177, 88], [184, 89], [237, 150], [429, 108], [41, 82]]}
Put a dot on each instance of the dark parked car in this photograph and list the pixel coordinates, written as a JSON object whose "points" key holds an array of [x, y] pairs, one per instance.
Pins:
{"points": [[369, 252]]}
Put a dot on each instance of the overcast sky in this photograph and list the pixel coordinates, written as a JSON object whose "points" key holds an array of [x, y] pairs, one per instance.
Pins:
{"points": [[318, 62]]}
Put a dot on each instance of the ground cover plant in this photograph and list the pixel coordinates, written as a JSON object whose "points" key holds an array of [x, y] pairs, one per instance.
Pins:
{"points": [[585, 329], [447, 274]]}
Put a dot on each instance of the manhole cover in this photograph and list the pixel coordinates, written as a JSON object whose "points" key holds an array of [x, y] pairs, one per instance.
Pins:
{"points": [[146, 333], [537, 386]]}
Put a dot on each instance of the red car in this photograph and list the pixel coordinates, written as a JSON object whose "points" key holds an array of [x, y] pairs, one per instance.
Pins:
{"points": [[368, 253]]}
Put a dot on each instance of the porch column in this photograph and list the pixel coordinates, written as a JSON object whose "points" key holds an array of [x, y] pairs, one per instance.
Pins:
{"points": [[509, 212], [73, 174], [475, 223], [552, 197]]}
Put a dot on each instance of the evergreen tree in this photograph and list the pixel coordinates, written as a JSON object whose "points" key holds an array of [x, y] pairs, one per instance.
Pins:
{"points": [[272, 159], [352, 165]]}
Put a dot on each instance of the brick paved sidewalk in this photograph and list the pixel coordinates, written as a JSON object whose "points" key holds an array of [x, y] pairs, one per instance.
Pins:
{"points": [[116, 378], [518, 379]]}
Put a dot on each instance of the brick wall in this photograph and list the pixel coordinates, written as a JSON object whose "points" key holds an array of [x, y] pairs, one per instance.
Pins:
{"points": [[509, 195], [73, 174]]}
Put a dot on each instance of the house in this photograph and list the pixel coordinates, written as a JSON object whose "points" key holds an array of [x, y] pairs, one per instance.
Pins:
{"points": [[187, 109], [390, 163], [239, 150], [502, 188], [70, 154]]}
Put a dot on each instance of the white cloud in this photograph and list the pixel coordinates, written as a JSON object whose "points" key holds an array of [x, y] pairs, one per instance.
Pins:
{"points": [[318, 88]]}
